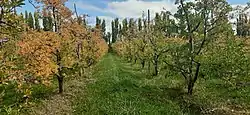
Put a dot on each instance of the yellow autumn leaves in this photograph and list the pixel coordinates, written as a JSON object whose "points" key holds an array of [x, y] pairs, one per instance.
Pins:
{"points": [[37, 49]]}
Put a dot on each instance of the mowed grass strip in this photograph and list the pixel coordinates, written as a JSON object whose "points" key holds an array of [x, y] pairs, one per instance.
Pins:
{"points": [[118, 90]]}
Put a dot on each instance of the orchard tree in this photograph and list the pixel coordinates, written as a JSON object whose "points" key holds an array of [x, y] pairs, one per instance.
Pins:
{"points": [[40, 50], [10, 26], [58, 10], [202, 19], [60, 15], [9, 21], [90, 45]]}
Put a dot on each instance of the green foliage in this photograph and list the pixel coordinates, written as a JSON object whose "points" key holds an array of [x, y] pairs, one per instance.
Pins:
{"points": [[194, 26], [26, 16], [196, 43], [9, 20], [227, 61], [47, 23], [243, 21], [30, 20], [36, 18], [98, 22], [115, 30]]}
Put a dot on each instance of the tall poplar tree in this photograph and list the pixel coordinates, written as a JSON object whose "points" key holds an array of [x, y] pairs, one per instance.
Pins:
{"points": [[26, 16], [124, 27], [140, 24], [98, 22], [104, 30], [48, 22], [116, 28], [31, 20], [36, 17], [113, 32]]}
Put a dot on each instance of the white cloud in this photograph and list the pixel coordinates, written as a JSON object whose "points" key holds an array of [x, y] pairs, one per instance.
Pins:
{"points": [[131, 8], [90, 7], [135, 8], [128, 9]]}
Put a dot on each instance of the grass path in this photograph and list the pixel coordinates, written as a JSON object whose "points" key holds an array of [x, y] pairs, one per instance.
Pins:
{"points": [[119, 89], [115, 87]]}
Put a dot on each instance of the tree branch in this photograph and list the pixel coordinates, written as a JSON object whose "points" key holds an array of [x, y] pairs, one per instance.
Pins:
{"points": [[32, 4]]}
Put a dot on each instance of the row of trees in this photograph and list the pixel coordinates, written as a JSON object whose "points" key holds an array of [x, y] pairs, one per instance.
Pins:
{"points": [[35, 56], [31, 19], [118, 30], [243, 25], [186, 42]]}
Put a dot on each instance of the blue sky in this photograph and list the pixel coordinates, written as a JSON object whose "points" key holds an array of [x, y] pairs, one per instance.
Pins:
{"points": [[103, 3], [109, 9]]}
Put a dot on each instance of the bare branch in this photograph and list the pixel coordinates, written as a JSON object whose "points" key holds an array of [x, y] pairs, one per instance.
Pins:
{"points": [[30, 1]]}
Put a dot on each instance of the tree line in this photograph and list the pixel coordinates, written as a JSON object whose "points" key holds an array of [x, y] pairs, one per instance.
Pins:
{"points": [[63, 47], [195, 42]]}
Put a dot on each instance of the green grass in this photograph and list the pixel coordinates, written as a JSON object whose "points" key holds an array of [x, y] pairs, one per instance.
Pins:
{"points": [[116, 87], [13, 103], [120, 88]]}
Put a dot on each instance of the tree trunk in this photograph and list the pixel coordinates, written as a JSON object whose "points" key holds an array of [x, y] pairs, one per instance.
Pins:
{"points": [[190, 87], [135, 61], [60, 83], [192, 80], [156, 68], [60, 75], [110, 50], [149, 66], [143, 63], [156, 65]]}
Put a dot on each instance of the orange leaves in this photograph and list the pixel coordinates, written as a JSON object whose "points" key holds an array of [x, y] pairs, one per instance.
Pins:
{"points": [[38, 48], [99, 43], [56, 6], [119, 48], [73, 31], [52, 2], [88, 45]]}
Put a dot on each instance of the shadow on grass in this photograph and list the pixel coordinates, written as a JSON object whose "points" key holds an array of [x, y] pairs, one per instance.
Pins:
{"points": [[122, 89], [165, 94], [12, 100], [161, 95], [43, 92]]}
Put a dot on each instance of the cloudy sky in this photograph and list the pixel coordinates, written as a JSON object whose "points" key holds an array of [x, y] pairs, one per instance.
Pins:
{"points": [[109, 9]]}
